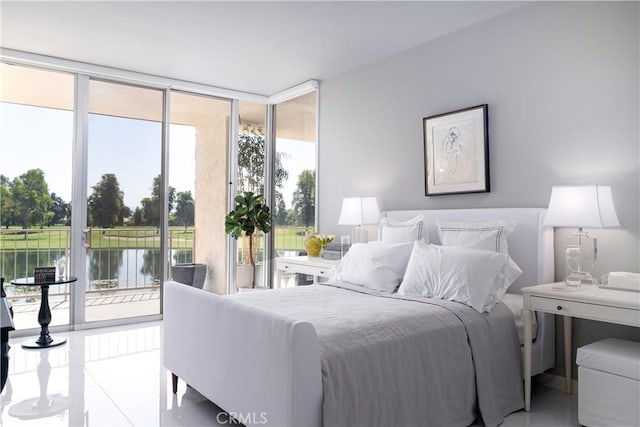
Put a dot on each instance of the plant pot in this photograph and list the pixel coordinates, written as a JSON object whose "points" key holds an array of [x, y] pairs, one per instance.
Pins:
{"points": [[243, 275], [189, 274]]}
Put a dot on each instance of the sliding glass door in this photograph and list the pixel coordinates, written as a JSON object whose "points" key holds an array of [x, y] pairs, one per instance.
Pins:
{"points": [[124, 201], [102, 162], [36, 136]]}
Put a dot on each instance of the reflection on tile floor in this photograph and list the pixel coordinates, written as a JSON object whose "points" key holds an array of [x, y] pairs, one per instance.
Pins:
{"points": [[114, 377], [101, 377]]}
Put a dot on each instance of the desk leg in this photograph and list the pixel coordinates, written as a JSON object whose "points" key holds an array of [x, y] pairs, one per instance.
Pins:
{"points": [[567, 320], [528, 319]]}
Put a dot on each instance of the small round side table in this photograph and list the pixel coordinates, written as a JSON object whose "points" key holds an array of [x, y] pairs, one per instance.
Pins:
{"points": [[44, 315]]}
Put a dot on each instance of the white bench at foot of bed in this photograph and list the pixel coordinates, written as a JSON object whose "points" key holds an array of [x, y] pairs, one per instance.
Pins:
{"points": [[267, 372]]}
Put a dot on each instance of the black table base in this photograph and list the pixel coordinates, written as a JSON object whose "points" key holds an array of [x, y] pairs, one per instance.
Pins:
{"points": [[53, 341], [44, 315]]}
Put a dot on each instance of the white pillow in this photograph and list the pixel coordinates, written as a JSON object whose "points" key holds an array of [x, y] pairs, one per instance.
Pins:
{"points": [[374, 265], [402, 231], [474, 277], [491, 236]]}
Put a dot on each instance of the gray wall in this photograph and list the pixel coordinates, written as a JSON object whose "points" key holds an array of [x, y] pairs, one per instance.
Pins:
{"points": [[562, 84]]}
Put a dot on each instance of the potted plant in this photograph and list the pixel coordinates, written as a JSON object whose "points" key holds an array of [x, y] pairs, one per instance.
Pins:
{"points": [[249, 216]]}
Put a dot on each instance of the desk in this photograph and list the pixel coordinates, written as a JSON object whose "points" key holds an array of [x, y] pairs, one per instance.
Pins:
{"points": [[311, 265], [584, 302], [44, 315]]}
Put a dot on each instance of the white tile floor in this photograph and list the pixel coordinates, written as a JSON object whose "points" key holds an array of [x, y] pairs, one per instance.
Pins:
{"points": [[114, 377]]}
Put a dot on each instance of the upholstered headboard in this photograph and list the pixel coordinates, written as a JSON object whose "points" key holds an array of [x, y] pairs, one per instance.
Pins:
{"points": [[530, 244]]}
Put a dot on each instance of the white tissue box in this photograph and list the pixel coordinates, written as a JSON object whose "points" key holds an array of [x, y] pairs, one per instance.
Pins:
{"points": [[624, 280]]}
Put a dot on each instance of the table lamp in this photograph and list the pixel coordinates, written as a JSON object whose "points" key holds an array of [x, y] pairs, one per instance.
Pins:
{"points": [[583, 206], [359, 211]]}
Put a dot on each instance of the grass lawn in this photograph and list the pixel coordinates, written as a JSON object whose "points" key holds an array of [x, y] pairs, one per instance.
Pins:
{"points": [[290, 238], [58, 237], [15, 238]]}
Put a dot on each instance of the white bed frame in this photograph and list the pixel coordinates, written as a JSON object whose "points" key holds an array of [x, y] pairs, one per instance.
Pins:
{"points": [[260, 366]]}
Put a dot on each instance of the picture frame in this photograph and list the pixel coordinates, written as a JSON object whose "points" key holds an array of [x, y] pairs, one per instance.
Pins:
{"points": [[456, 152]]}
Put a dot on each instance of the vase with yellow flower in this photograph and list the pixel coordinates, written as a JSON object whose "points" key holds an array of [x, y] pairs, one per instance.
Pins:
{"points": [[315, 243]]}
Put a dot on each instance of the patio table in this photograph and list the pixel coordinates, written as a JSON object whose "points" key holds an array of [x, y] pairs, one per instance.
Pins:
{"points": [[44, 315]]}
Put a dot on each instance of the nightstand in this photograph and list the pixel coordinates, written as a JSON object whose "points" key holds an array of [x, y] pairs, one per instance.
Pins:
{"points": [[584, 302], [313, 266]]}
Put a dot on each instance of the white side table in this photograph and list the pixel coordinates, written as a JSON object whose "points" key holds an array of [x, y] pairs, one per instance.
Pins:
{"points": [[584, 302], [314, 266]]}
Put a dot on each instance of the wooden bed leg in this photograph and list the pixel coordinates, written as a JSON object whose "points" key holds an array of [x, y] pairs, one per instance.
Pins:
{"points": [[174, 383]]}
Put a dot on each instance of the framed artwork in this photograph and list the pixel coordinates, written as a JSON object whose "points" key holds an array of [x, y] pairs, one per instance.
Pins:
{"points": [[456, 152]]}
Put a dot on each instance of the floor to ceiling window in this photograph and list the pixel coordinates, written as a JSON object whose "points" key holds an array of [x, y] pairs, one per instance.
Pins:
{"points": [[251, 147], [295, 175], [121, 269], [198, 184], [36, 135], [123, 201], [145, 172]]}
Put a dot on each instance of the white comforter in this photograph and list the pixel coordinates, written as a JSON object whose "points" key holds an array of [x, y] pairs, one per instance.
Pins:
{"points": [[390, 360]]}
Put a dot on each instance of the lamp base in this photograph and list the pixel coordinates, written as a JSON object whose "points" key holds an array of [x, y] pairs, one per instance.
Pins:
{"points": [[579, 279], [359, 235], [581, 253]]}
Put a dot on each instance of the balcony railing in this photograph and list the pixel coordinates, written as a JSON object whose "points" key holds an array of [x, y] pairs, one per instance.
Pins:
{"points": [[118, 259]]}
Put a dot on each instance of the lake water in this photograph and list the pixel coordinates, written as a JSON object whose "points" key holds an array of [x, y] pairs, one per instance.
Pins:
{"points": [[122, 268]]}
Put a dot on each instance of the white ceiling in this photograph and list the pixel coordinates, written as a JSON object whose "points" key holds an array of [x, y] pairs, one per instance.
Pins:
{"points": [[258, 47]]}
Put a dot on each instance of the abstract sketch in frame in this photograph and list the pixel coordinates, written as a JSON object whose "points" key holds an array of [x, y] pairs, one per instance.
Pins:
{"points": [[456, 152]]}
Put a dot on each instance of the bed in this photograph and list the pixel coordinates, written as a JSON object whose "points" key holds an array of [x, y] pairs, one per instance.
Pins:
{"points": [[340, 355]]}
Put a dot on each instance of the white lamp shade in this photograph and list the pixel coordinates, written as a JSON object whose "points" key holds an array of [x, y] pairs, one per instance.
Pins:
{"points": [[359, 211], [583, 206]]}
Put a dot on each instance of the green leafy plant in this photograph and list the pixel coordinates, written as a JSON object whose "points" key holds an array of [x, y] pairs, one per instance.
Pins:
{"points": [[250, 214], [325, 239]]}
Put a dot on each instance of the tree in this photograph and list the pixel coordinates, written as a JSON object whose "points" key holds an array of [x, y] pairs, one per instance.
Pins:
{"points": [[61, 210], [7, 206], [292, 218], [185, 209], [125, 212], [304, 198], [147, 212], [137, 216], [31, 198], [151, 205], [281, 213], [106, 202], [251, 154]]}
